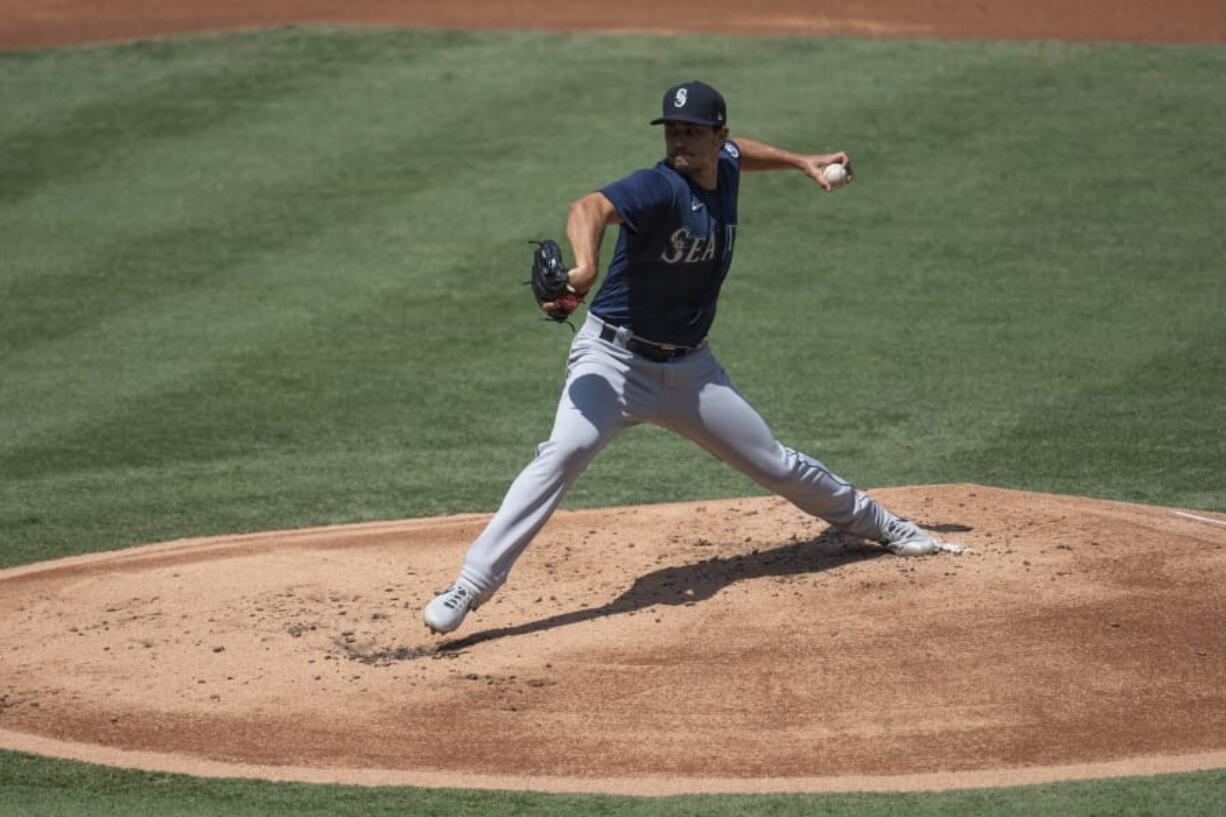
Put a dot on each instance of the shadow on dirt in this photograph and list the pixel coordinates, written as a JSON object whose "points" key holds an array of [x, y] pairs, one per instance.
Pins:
{"points": [[670, 586], [693, 583], [949, 527]]}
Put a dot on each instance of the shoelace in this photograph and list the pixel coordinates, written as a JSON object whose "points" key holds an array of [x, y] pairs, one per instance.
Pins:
{"points": [[455, 597]]}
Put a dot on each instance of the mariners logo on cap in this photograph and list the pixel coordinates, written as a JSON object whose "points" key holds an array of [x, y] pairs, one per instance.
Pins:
{"points": [[695, 102]]}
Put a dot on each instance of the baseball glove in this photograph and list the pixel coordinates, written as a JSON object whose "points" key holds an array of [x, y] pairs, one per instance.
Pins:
{"points": [[550, 282]]}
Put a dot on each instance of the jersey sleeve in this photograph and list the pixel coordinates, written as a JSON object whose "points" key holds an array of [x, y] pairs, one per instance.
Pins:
{"points": [[731, 153], [638, 197]]}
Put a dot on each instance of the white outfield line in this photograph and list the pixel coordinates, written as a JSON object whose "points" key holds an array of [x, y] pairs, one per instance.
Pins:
{"points": [[1199, 518]]}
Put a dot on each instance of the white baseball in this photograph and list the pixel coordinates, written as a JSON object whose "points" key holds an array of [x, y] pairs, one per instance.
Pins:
{"points": [[835, 175]]}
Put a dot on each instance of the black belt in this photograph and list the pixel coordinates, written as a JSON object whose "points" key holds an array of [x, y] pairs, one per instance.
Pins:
{"points": [[658, 352]]}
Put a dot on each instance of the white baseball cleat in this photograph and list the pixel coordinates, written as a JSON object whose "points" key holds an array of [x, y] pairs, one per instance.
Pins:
{"points": [[903, 538], [447, 610]]}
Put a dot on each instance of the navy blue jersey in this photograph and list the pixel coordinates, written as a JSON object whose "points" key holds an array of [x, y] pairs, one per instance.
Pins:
{"points": [[673, 251]]}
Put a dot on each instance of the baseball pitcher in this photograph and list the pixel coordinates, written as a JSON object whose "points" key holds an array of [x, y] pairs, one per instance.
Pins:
{"points": [[641, 355]]}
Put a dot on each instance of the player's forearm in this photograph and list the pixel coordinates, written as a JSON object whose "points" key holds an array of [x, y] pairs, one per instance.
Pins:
{"points": [[585, 225], [757, 155]]}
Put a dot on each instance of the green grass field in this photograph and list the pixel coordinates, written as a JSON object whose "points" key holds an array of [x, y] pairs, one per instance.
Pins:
{"points": [[273, 280]]}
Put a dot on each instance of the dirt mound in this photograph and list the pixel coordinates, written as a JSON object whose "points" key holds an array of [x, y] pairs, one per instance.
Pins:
{"points": [[722, 645]]}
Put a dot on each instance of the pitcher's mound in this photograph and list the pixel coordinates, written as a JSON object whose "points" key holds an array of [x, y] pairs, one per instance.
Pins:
{"points": [[731, 645]]}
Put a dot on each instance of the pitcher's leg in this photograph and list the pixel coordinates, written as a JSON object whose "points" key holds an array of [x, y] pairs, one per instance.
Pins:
{"points": [[588, 416], [720, 419]]}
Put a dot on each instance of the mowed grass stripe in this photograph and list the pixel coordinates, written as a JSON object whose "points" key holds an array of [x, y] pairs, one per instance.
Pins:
{"points": [[1001, 248], [151, 93], [271, 165], [307, 247], [1125, 448]]}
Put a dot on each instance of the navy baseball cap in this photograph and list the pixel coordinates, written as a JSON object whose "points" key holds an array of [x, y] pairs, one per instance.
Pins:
{"points": [[695, 102]]}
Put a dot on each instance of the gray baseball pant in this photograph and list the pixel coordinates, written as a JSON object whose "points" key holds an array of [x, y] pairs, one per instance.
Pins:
{"points": [[609, 389]]}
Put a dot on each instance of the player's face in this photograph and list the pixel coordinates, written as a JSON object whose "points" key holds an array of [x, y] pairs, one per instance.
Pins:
{"points": [[693, 148]]}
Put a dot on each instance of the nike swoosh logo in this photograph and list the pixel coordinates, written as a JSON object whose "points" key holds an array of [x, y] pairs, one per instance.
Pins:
{"points": [[695, 206]]}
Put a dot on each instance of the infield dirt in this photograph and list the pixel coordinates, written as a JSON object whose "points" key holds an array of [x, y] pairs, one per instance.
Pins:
{"points": [[709, 646], [27, 23]]}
